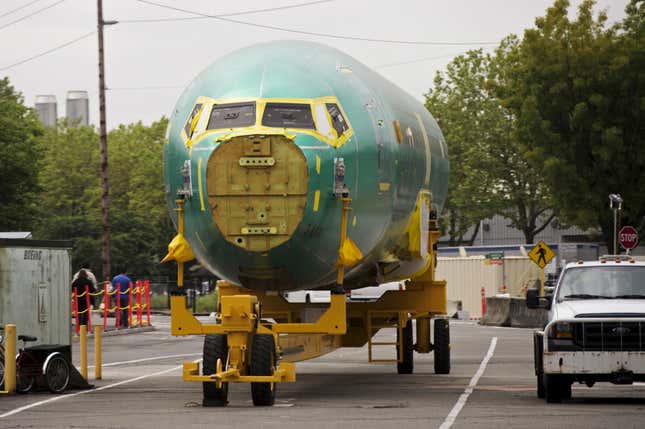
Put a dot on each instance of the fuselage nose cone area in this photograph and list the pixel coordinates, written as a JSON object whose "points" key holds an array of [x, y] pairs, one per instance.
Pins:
{"points": [[257, 190]]}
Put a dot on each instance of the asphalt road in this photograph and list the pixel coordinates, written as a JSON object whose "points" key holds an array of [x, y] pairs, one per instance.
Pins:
{"points": [[142, 388]]}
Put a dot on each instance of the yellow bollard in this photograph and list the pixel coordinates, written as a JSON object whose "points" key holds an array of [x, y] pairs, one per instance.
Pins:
{"points": [[98, 358], [10, 358], [83, 335]]}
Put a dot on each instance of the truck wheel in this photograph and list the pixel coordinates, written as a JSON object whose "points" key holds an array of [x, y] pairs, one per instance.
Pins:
{"points": [[57, 374], [566, 389], [540, 386], [537, 358], [553, 388], [215, 347], [263, 362], [405, 363], [441, 346]]}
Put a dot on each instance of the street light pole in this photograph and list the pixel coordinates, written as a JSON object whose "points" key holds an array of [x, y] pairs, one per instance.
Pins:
{"points": [[105, 196], [615, 203]]}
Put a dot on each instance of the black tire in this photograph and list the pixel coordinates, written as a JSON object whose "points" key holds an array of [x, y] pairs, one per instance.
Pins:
{"points": [[215, 347], [24, 384], [57, 374], [263, 362], [537, 361], [307, 299], [553, 388], [441, 346], [405, 364], [1, 371], [540, 386], [566, 389]]}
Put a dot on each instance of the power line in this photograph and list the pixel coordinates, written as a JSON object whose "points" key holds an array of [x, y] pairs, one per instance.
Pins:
{"points": [[310, 33], [420, 60], [144, 88], [32, 14], [19, 8], [49, 51], [247, 12]]}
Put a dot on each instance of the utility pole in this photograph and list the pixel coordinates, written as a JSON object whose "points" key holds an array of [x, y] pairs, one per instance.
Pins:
{"points": [[105, 196]]}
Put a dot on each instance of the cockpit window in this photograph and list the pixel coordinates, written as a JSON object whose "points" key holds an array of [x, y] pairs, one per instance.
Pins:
{"points": [[288, 115], [232, 115], [337, 120], [191, 119]]}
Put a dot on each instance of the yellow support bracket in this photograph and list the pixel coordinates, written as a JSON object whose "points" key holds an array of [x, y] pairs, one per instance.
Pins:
{"points": [[286, 372]]}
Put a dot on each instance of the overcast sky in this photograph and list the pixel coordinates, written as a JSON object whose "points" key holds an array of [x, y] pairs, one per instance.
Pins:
{"points": [[148, 64]]}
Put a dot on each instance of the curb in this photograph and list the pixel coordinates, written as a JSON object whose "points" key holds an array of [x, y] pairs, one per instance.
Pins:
{"points": [[114, 333]]}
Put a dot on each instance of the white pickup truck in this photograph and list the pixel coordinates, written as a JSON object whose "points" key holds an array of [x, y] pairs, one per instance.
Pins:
{"points": [[596, 327]]}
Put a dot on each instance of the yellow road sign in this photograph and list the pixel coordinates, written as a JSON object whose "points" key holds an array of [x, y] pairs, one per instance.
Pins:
{"points": [[541, 254]]}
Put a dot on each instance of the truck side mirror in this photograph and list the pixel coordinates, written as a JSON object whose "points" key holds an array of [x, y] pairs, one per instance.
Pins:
{"points": [[533, 298]]}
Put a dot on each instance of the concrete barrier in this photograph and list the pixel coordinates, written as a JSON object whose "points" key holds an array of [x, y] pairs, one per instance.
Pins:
{"points": [[497, 311], [524, 317], [508, 311]]}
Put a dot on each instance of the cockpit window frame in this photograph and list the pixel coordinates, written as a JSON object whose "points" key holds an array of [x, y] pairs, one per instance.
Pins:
{"points": [[323, 127]]}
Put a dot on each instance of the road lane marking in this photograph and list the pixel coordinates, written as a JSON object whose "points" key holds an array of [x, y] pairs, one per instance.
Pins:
{"points": [[471, 386], [125, 362], [59, 397]]}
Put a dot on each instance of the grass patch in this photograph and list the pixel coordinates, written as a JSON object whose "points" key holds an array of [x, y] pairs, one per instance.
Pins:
{"points": [[207, 303]]}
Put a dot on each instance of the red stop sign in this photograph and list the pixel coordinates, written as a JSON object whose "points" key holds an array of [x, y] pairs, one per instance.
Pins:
{"points": [[628, 237]]}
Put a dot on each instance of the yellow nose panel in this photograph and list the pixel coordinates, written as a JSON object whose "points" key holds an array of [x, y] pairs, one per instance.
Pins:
{"points": [[257, 190]]}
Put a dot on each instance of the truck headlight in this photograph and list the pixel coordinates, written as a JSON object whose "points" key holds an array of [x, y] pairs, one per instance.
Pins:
{"points": [[562, 330]]}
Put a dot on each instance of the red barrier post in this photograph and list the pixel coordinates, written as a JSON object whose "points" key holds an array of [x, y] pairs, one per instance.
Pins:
{"points": [[139, 309], [106, 306], [75, 309], [130, 305], [147, 284], [483, 301], [88, 299], [117, 311]]}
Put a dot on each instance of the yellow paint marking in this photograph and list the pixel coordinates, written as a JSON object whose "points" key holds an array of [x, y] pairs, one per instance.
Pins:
{"points": [[354, 221], [316, 200], [317, 164], [199, 182]]}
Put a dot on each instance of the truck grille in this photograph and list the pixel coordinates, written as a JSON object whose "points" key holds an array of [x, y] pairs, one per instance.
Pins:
{"points": [[609, 336]]}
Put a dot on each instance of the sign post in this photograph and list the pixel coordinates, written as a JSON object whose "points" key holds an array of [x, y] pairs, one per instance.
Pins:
{"points": [[541, 254], [628, 237]]}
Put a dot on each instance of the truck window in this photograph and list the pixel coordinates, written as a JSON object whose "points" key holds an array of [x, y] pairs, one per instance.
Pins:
{"points": [[337, 120], [232, 115], [602, 282], [288, 115]]}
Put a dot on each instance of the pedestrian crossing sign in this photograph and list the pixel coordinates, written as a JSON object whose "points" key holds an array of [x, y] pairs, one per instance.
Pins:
{"points": [[541, 254]]}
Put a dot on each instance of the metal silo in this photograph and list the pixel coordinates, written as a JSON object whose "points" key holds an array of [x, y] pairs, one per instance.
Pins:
{"points": [[78, 107], [46, 109]]}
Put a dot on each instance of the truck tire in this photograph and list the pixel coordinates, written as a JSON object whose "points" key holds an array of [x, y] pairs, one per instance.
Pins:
{"points": [[554, 387], [405, 363], [441, 346], [537, 358], [263, 362], [215, 347]]}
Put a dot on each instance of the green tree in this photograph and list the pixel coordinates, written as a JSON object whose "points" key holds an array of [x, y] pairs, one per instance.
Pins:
{"points": [[71, 195], [489, 174], [19, 161], [577, 93]]}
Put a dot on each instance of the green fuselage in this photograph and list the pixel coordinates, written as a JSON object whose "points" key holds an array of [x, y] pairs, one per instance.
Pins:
{"points": [[383, 173]]}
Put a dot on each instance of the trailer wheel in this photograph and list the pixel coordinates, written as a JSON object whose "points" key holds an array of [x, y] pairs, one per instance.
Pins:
{"points": [[1, 371], [57, 374], [263, 362], [441, 346], [215, 347], [405, 364]]}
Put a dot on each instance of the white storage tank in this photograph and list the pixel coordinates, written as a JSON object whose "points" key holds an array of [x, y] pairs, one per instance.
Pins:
{"points": [[35, 278], [78, 107], [46, 109]]}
